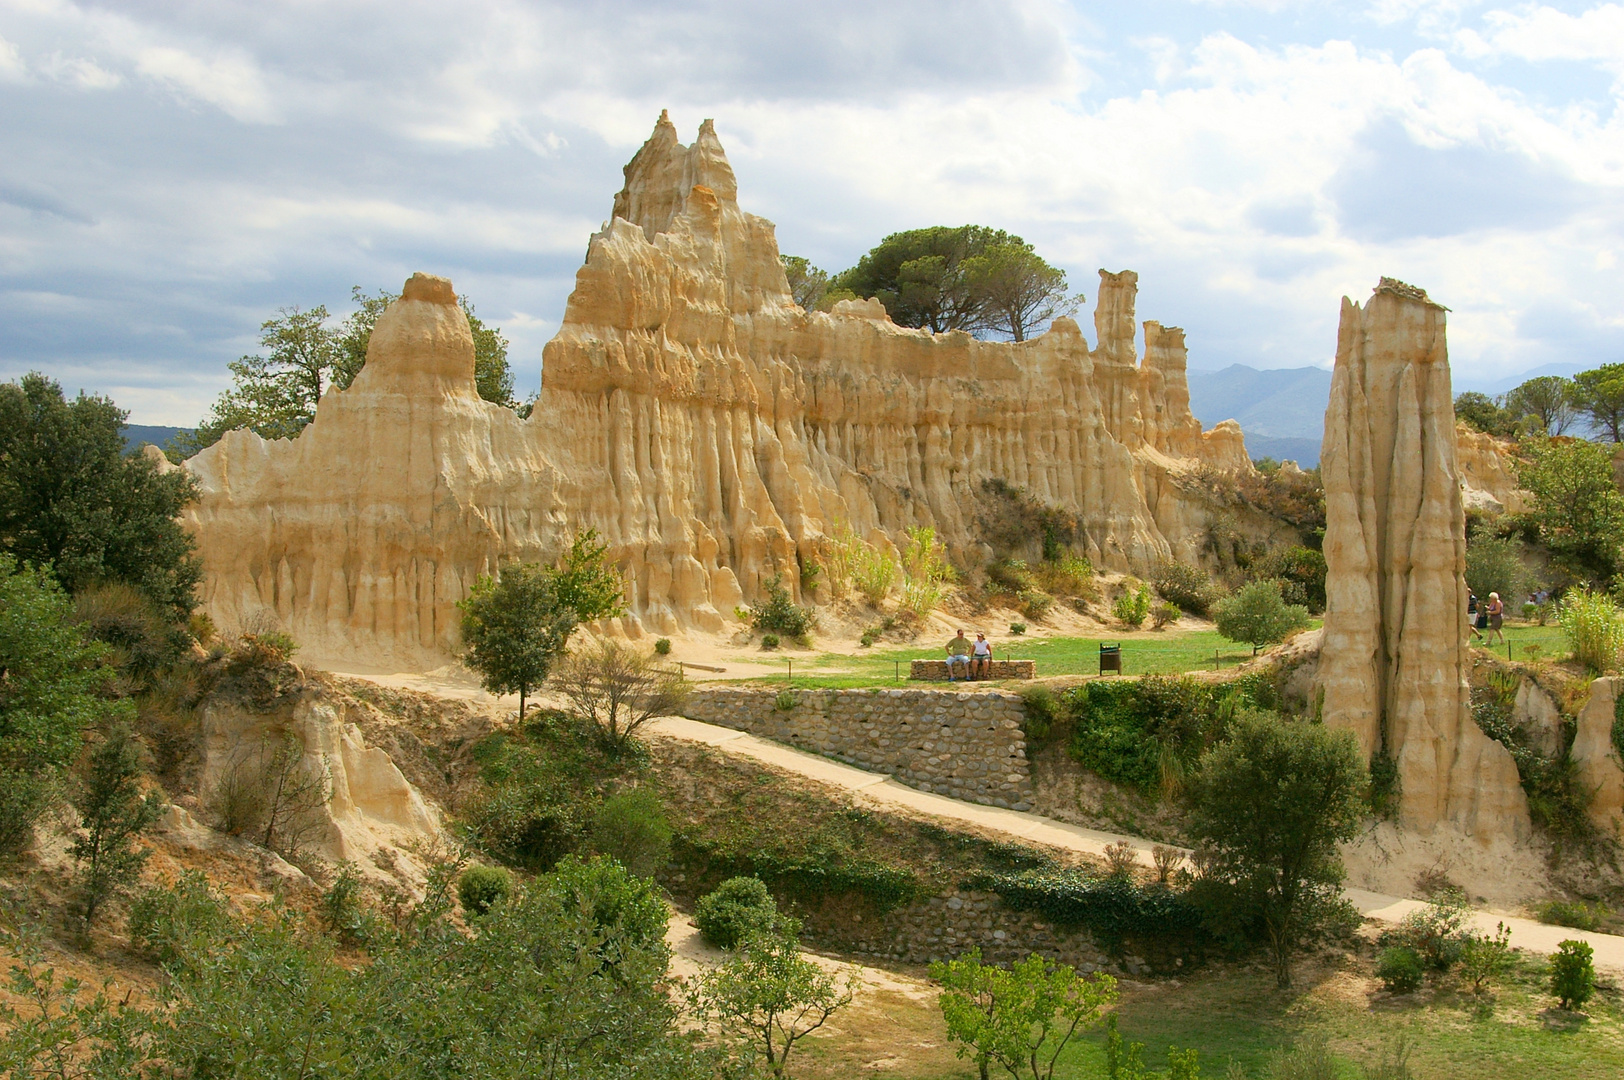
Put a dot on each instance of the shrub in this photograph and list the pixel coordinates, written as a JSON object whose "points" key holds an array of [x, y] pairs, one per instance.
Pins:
{"points": [[112, 813], [870, 636], [1577, 915], [1017, 628], [1399, 968], [342, 911], [1042, 714], [481, 888], [1434, 933], [779, 613], [1162, 614], [1036, 603], [1115, 910], [1573, 974], [769, 641], [1069, 575], [1258, 615], [875, 574], [1186, 587], [925, 570], [1301, 573], [662, 647], [1590, 621], [631, 827], [1133, 605], [1010, 576], [186, 920], [1120, 860], [811, 572], [1484, 958], [786, 701], [614, 690], [739, 906]]}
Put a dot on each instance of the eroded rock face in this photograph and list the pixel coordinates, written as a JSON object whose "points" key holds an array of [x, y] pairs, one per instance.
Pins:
{"points": [[1596, 758], [710, 429], [1394, 664], [1487, 475]]}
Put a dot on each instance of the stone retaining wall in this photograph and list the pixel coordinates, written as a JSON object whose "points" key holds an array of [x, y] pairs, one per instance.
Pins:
{"points": [[936, 670], [969, 745], [947, 926]]}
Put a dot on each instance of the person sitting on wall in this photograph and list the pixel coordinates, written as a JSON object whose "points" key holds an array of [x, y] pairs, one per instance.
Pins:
{"points": [[958, 653], [981, 657]]}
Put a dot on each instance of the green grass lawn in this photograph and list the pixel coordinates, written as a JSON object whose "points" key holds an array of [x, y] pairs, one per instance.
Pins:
{"points": [[1241, 1017], [1144, 652]]}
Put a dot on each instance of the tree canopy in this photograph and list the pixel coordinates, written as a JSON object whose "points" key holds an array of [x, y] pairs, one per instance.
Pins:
{"points": [[1258, 615], [73, 501], [1548, 398], [516, 625], [1578, 512], [968, 277], [275, 394], [50, 683], [1599, 395]]}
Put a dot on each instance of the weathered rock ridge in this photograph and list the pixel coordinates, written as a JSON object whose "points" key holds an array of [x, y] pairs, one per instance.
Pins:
{"points": [[1394, 664], [710, 429]]}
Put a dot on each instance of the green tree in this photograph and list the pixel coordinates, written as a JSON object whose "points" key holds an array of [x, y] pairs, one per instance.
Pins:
{"points": [[1599, 395], [918, 276], [112, 813], [1573, 973], [1483, 413], [1019, 1018], [50, 682], [73, 501], [516, 626], [615, 690], [1548, 398], [1270, 805], [768, 997], [1578, 512], [807, 283], [1016, 290], [1496, 565], [1258, 615]]}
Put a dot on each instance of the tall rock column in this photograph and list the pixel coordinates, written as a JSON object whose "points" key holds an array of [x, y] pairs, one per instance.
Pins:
{"points": [[1394, 663]]}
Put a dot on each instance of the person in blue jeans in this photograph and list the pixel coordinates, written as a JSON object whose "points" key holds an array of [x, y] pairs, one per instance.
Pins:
{"points": [[958, 656]]}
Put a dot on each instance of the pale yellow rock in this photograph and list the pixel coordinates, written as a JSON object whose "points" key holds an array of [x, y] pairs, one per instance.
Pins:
{"points": [[1597, 759], [1488, 478], [371, 809], [709, 429], [1393, 665]]}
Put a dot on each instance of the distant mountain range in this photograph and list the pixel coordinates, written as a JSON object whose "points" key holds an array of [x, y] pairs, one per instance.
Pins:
{"points": [[1282, 410], [136, 434]]}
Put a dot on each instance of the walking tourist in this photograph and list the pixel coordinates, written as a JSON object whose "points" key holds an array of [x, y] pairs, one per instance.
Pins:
{"points": [[1497, 612], [1476, 617]]}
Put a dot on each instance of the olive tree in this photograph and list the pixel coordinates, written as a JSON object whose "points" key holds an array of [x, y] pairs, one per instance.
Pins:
{"points": [[1258, 615], [1268, 807]]}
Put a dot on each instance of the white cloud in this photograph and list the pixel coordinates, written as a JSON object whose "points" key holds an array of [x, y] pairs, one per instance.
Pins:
{"points": [[1544, 33], [12, 68], [231, 82], [79, 71]]}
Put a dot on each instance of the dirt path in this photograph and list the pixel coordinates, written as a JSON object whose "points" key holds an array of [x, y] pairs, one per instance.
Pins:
{"points": [[881, 790]]}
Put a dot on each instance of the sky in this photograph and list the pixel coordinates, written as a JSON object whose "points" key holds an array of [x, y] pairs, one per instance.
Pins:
{"points": [[173, 172]]}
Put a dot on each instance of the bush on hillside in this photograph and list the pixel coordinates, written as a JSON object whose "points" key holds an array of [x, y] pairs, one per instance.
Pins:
{"points": [[631, 827], [480, 888], [779, 613], [738, 907], [1185, 586], [1594, 629], [1573, 974], [1132, 606], [1301, 573], [1400, 969]]}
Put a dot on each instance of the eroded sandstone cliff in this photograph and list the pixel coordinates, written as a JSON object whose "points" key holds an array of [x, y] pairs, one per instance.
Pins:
{"points": [[1393, 666], [710, 429]]}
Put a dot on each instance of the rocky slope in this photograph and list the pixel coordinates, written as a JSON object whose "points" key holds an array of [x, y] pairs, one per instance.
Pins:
{"points": [[711, 430]]}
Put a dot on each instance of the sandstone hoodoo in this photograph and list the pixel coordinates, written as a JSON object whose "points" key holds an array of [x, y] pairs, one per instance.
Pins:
{"points": [[711, 430], [1394, 662]]}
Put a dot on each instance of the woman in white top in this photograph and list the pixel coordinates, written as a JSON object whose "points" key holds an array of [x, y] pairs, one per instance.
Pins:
{"points": [[981, 657]]}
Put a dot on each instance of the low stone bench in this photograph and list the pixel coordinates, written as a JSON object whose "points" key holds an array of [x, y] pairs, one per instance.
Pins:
{"points": [[936, 670]]}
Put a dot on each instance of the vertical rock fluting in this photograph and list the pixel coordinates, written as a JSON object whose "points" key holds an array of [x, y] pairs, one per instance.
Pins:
{"points": [[707, 427], [1394, 662]]}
